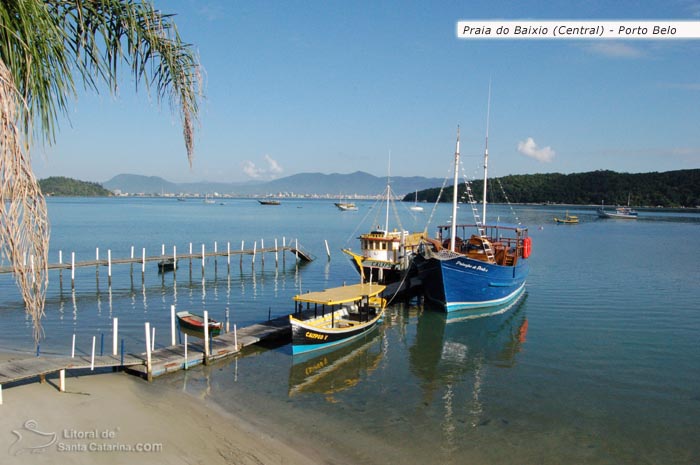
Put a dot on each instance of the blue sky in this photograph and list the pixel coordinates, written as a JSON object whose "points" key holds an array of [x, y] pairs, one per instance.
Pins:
{"points": [[334, 87]]}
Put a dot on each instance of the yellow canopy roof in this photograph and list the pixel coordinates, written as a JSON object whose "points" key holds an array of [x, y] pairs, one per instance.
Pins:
{"points": [[341, 295]]}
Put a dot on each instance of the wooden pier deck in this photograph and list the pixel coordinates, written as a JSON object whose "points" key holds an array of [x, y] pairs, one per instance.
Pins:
{"points": [[298, 252], [172, 358], [164, 360]]}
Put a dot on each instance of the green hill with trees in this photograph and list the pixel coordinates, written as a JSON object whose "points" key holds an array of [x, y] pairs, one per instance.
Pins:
{"points": [[67, 187], [668, 189]]}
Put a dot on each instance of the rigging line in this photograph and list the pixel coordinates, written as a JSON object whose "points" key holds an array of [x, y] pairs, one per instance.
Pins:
{"points": [[512, 210], [437, 202], [354, 232]]}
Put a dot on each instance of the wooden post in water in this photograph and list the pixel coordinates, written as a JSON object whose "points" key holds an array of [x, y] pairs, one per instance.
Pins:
{"points": [[115, 335], [62, 381], [206, 337], [255, 247], [328, 252], [242, 245], [72, 270], [202, 260], [109, 267], [174, 261], [143, 264], [262, 251], [0, 394], [153, 339], [284, 246], [296, 248], [72, 351], [276, 254], [162, 249], [235, 337], [185, 351], [228, 254], [60, 270], [216, 261], [149, 374], [172, 325], [92, 357], [227, 320]]}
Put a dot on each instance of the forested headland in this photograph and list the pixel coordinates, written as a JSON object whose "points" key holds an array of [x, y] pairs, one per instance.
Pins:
{"points": [[668, 189], [68, 187]]}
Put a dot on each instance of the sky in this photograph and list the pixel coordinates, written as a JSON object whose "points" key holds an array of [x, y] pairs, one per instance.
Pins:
{"points": [[337, 87]]}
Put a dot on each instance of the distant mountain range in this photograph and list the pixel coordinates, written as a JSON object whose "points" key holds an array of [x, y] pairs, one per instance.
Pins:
{"points": [[359, 183]]}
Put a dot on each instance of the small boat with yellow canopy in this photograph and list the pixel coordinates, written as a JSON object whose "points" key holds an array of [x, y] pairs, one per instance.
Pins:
{"points": [[340, 314], [568, 219]]}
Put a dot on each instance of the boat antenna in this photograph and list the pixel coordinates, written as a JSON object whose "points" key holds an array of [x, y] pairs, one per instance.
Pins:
{"points": [[486, 155], [453, 232]]}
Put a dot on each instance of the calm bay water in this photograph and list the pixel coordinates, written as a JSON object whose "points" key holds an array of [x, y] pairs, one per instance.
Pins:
{"points": [[599, 362]]}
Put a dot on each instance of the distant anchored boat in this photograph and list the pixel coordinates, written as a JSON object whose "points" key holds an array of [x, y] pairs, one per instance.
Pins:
{"points": [[625, 213], [167, 264], [269, 202], [346, 206], [568, 219], [341, 314]]}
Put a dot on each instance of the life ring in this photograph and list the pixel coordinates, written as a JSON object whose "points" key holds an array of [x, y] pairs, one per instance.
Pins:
{"points": [[527, 247]]}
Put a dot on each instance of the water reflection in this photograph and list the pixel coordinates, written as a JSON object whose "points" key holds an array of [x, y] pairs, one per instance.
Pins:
{"points": [[454, 349], [336, 369]]}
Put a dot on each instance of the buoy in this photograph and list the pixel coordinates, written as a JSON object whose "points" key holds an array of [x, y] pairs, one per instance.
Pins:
{"points": [[527, 247]]}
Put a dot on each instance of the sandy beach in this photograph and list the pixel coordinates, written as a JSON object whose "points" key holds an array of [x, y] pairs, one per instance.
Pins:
{"points": [[115, 418]]}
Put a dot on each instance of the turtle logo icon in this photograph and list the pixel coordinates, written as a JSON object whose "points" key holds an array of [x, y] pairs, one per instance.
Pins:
{"points": [[30, 440]]}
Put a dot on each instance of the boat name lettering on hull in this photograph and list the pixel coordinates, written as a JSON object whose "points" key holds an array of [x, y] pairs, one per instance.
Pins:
{"points": [[320, 337], [469, 266]]}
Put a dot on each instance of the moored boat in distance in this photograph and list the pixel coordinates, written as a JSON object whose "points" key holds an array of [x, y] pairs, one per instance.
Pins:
{"points": [[415, 207], [488, 269], [167, 264], [346, 206], [193, 325], [625, 213], [568, 219], [341, 314], [269, 202]]}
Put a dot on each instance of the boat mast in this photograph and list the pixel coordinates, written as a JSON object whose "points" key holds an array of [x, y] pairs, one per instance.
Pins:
{"points": [[388, 196], [453, 234], [486, 156]]}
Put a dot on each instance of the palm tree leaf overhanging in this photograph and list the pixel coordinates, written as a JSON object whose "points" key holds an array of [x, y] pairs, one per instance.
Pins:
{"points": [[46, 47]]}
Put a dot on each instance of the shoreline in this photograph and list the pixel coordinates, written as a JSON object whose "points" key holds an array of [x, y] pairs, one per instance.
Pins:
{"points": [[110, 417]]}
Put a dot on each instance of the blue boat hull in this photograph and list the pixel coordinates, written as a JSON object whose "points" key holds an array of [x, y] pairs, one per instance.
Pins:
{"points": [[462, 283]]}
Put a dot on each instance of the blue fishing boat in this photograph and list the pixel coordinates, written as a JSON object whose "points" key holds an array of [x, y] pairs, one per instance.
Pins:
{"points": [[487, 269]]}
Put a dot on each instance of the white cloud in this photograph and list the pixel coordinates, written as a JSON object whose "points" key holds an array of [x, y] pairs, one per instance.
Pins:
{"points": [[614, 49], [529, 149], [273, 166], [273, 169]]}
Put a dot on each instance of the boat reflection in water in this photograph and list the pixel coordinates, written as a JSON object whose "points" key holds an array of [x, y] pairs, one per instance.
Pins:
{"points": [[456, 349], [336, 369]]}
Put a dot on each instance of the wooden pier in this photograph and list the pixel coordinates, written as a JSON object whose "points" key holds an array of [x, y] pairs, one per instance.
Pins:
{"points": [[162, 361], [203, 255]]}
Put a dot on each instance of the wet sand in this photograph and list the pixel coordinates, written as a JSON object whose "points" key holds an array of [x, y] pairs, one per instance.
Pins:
{"points": [[114, 418]]}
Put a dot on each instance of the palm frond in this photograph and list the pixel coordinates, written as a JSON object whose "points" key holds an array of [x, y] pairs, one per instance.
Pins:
{"points": [[45, 47]]}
